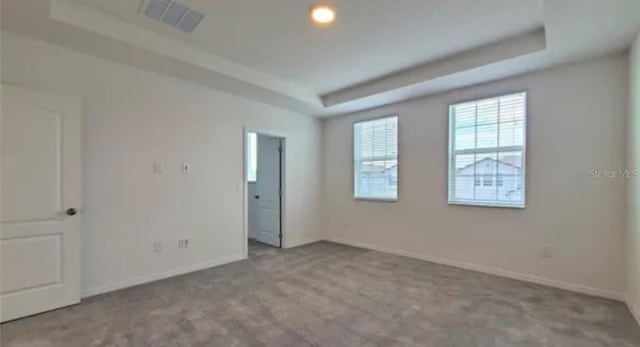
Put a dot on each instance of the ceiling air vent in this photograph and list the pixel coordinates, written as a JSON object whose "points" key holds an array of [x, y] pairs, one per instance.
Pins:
{"points": [[173, 14]]}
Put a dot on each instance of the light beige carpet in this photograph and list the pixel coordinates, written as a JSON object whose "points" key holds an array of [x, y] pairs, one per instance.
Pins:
{"points": [[331, 295]]}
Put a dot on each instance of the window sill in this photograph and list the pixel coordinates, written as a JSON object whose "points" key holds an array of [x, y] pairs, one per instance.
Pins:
{"points": [[372, 199], [486, 204]]}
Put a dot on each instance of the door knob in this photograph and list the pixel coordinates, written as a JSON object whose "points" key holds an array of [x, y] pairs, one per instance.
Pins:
{"points": [[257, 196], [71, 212]]}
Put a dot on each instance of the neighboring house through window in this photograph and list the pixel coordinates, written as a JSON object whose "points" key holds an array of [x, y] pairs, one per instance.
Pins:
{"points": [[487, 180], [375, 144], [499, 180], [487, 151]]}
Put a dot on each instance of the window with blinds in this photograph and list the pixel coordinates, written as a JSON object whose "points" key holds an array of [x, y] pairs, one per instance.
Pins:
{"points": [[487, 142], [375, 144]]}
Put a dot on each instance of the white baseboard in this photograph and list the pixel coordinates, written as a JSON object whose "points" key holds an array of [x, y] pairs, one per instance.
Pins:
{"points": [[159, 276], [305, 242], [491, 271], [635, 310]]}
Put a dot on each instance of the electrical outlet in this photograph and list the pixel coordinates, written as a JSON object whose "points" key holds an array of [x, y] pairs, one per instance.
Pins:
{"points": [[157, 247], [183, 243], [547, 251]]}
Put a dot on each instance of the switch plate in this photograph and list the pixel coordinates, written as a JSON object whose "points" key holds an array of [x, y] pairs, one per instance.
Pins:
{"points": [[186, 168], [183, 243], [158, 167], [157, 247]]}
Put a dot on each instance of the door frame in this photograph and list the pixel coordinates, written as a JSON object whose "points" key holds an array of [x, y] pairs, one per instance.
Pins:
{"points": [[245, 185]]}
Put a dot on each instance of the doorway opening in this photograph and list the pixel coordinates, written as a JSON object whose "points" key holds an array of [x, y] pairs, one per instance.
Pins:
{"points": [[264, 193]]}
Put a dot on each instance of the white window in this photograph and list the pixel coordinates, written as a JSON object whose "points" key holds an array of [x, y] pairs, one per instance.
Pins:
{"points": [[252, 156], [375, 144], [487, 142]]}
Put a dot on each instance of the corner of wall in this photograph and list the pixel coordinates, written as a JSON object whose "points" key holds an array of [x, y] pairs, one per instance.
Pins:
{"points": [[633, 191], [323, 225], [635, 310]]}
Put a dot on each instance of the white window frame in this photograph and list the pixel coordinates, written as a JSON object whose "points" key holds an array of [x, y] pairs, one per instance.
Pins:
{"points": [[453, 153], [355, 166]]}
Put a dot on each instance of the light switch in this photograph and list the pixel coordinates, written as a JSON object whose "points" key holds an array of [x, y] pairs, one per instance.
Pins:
{"points": [[157, 167], [186, 168]]}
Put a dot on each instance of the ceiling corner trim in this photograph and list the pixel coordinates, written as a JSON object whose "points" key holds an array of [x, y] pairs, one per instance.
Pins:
{"points": [[515, 46]]}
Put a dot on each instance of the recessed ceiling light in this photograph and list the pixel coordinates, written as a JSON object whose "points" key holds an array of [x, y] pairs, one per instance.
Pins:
{"points": [[322, 14]]}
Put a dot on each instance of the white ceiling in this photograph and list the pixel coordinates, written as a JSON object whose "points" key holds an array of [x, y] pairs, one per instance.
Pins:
{"points": [[371, 38], [378, 51]]}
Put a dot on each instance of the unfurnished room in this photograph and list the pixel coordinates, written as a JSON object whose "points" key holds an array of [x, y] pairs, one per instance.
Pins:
{"points": [[333, 173]]}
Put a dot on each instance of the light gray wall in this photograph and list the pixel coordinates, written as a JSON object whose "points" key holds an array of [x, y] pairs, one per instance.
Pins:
{"points": [[576, 122], [132, 118], [633, 157]]}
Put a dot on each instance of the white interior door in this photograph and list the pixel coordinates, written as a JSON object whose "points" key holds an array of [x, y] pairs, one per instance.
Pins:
{"points": [[41, 178], [268, 190]]}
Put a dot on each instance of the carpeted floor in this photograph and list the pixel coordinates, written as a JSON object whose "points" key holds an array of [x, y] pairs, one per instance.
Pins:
{"points": [[332, 295]]}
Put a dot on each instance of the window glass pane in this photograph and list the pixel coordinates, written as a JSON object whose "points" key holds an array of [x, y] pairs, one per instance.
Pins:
{"points": [[465, 180], [464, 162], [512, 118], [485, 168], [510, 169], [487, 145], [377, 138], [376, 158], [379, 178], [512, 134], [499, 180], [487, 136], [465, 115], [487, 112], [252, 157], [513, 108], [466, 138], [487, 180]]}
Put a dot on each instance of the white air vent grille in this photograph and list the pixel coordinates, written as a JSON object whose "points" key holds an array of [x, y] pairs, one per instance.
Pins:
{"points": [[173, 14]]}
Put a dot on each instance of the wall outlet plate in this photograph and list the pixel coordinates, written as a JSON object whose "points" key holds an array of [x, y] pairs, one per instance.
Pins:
{"points": [[183, 243]]}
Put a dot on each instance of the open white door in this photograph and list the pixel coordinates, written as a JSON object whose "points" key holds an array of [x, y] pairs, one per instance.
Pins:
{"points": [[40, 196], [268, 190]]}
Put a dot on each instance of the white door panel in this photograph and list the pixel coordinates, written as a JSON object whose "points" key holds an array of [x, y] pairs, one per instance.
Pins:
{"points": [[34, 272], [30, 158], [40, 174], [268, 190]]}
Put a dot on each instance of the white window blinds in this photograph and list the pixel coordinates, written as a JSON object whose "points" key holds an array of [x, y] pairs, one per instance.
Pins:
{"points": [[376, 159], [487, 151]]}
